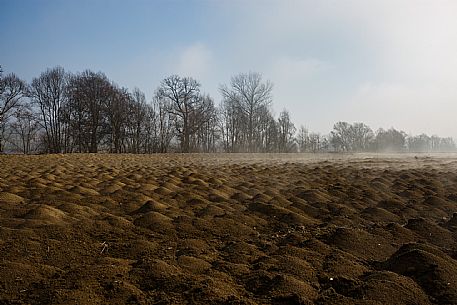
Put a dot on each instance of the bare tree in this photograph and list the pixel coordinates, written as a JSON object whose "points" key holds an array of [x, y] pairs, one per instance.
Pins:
{"points": [[390, 140], [2, 86], [425, 143], [137, 120], [206, 122], [25, 129], [303, 139], [286, 132], [186, 104], [249, 93], [420, 143], [341, 136], [150, 130], [446, 145], [266, 132], [87, 112], [117, 117], [164, 127], [315, 142], [361, 137], [12, 90], [355, 137], [89, 95], [49, 92], [231, 125]]}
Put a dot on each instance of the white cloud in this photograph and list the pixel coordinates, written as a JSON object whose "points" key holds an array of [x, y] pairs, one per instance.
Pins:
{"points": [[393, 62], [195, 60], [415, 40], [288, 69], [430, 109], [384, 62], [291, 77], [151, 66]]}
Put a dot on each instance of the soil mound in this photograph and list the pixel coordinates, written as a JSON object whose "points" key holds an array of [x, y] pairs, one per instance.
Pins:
{"points": [[228, 229], [452, 223], [391, 288], [154, 221], [431, 232], [10, 198], [151, 206], [361, 243], [432, 269], [46, 214]]}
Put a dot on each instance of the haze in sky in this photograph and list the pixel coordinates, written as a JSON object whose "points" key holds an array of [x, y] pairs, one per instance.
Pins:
{"points": [[387, 63]]}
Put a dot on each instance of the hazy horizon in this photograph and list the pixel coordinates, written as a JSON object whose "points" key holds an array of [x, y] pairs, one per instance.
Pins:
{"points": [[384, 63]]}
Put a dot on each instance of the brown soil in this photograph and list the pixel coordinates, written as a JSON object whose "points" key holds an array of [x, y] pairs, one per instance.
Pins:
{"points": [[228, 229]]}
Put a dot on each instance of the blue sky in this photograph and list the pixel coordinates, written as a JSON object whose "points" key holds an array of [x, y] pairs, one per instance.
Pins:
{"points": [[386, 63]]}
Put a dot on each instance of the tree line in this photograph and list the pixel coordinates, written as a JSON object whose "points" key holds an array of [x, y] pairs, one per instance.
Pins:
{"points": [[86, 112]]}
